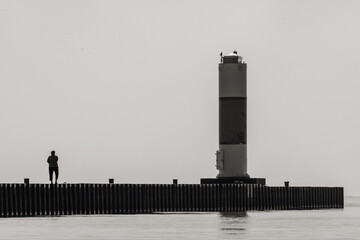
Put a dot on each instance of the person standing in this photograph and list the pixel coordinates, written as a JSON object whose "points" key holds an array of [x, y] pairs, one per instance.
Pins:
{"points": [[53, 166]]}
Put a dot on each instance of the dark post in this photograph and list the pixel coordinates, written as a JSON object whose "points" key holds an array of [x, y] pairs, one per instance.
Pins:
{"points": [[283, 198], [224, 199], [180, 198], [312, 198], [151, 198], [33, 199], [117, 198], [101, 198], [230, 197], [9, 200], [171, 198], [204, 197], [241, 197], [92, 198], [121, 198], [146, 195], [261, 197], [277, 198], [45, 198], [60, 192], [106, 198], [65, 203], [136, 198], [57, 200], [26, 180], [212, 197], [111, 181], [217, 197], [20, 194], [131, 198], [37, 199], [86, 199], [256, 196], [266, 198], [302, 198], [175, 181], [141, 198], [128, 198], [194, 197], [233, 196], [70, 190], [184, 197], [52, 199], [236, 197], [110, 199], [114, 199], [167, 205], [2, 210], [188, 197], [97, 209], [250, 197], [76, 193], [199, 198], [341, 197], [4, 200], [27, 199], [159, 197], [16, 199], [273, 198], [305, 197], [81, 204]]}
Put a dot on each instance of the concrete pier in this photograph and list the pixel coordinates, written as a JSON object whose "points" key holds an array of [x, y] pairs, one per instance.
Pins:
{"points": [[18, 200]]}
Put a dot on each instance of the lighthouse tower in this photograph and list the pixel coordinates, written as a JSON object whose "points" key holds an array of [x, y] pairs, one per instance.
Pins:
{"points": [[231, 158]]}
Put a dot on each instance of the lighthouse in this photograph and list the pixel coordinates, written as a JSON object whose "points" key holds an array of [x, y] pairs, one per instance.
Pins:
{"points": [[231, 157]]}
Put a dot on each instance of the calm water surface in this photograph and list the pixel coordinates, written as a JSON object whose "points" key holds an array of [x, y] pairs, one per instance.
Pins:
{"points": [[309, 224]]}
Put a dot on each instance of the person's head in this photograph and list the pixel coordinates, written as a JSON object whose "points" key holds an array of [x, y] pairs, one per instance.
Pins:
{"points": [[52, 152]]}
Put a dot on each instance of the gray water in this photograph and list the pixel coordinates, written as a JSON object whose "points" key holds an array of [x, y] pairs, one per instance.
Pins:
{"points": [[308, 224]]}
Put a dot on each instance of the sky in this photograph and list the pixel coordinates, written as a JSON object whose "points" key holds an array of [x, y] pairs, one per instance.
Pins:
{"points": [[129, 89]]}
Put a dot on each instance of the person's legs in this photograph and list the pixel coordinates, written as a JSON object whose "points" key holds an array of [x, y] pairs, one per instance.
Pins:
{"points": [[56, 169], [51, 173]]}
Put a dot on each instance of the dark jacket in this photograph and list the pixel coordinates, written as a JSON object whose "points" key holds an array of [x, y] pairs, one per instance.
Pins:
{"points": [[52, 160]]}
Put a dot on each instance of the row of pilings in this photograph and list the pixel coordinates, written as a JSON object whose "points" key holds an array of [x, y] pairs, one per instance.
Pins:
{"points": [[67, 199]]}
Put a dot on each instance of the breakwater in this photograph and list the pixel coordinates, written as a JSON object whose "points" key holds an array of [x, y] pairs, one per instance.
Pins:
{"points": [[68, 199]]}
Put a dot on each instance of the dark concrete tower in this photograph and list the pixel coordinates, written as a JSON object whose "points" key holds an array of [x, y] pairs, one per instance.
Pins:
{"points": [[231, 158]]}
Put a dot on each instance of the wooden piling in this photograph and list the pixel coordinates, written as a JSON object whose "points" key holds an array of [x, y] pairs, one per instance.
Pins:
{"points": [[63, 199]]}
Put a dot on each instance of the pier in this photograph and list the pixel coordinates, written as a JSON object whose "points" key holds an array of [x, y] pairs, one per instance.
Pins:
{"points": [[20, 200]]}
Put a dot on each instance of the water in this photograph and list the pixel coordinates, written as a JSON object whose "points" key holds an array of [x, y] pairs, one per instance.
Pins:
{"points": [[309, 224]]}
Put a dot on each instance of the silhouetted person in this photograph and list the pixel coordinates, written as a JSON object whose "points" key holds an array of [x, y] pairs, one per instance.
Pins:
{"points": [[53, 166]]}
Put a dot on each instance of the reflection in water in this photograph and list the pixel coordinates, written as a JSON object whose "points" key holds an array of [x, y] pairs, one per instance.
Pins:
{"points": [[233, 223], [233, 214]]}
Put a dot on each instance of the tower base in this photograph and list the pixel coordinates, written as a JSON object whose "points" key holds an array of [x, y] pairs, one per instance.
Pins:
{"points": [[230, 180]]}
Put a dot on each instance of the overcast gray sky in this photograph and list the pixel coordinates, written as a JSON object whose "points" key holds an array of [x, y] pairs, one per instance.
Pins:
{"points": [[129, 89]]}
